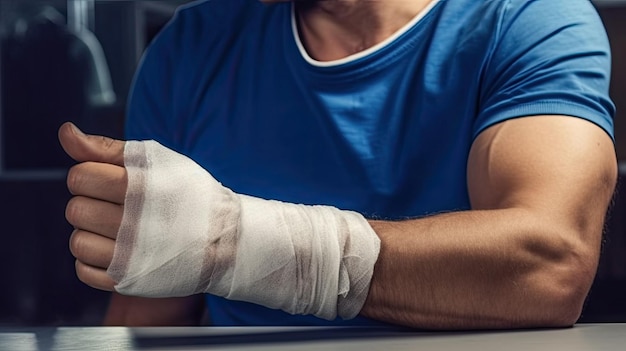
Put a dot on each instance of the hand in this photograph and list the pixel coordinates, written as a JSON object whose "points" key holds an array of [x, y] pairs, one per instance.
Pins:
{"points": [[188, 234], [98, 183]]}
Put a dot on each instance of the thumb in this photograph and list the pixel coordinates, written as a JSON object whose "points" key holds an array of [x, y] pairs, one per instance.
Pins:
{"points": [[82, 147]]}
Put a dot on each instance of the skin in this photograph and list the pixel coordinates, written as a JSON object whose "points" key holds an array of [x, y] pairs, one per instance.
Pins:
{"points": [[334, 29], [524, 256]]}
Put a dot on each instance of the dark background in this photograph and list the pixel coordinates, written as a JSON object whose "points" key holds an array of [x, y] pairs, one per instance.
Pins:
{"points": [[37, 281]]}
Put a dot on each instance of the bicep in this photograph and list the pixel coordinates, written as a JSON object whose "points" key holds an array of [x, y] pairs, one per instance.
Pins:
{"points": [[561, 168]]}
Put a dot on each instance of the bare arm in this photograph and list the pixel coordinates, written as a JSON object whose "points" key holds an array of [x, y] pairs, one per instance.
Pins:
{"points": [[139, 311], [524, 256], [527, 252]]}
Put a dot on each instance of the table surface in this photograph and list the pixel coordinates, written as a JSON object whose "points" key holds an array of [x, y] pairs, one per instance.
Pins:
{"points": [[596, 337]]}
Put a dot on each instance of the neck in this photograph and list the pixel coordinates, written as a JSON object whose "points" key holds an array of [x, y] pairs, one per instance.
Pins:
{"points": [[334, 29]]}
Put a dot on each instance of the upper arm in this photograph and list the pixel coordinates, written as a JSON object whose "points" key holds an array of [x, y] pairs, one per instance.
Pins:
{"points": [[561, 169], [550, 64]]}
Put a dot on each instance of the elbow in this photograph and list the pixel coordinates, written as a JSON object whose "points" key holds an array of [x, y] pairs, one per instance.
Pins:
{"points": [[560, 287], [566, 307]]}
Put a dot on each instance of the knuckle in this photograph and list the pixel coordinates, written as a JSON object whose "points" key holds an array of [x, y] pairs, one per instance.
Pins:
{"points": [[77, 244], [86, 275], [82, 272], [73, 210], [107, 142], [74, 179], [108, 145], [90, 277], [114, 149]]}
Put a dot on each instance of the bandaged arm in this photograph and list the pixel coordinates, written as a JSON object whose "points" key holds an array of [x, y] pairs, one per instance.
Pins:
{"points": [[184, 233]]}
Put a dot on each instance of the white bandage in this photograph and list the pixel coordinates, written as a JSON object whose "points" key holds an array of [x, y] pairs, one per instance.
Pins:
{"points": [[184, 233]]}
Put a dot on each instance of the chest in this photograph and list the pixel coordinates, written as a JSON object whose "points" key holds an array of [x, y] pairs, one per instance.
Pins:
{"points": [[387, 139]]}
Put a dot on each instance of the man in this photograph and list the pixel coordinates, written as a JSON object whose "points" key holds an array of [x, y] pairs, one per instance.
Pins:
{"points": [[475, 136]]}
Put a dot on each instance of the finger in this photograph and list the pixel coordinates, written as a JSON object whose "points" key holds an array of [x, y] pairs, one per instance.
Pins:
{"points": [[82, 147], [99, 181], [94, 277], [92, 249], [96, 216]]}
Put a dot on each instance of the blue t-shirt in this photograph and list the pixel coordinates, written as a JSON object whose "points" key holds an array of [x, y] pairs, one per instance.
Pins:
{"points": [[386, 133]]}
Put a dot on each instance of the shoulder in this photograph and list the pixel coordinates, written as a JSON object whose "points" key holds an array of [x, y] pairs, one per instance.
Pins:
{"points": [[552, 30], [216, 12], [207, 20], [547, 57], [186, 54], [201, 31], [564, 8], [529, 17], [503, 13]]}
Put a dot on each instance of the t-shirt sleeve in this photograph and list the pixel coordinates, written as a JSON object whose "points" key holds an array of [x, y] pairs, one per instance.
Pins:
{"points": [[549, 57]]}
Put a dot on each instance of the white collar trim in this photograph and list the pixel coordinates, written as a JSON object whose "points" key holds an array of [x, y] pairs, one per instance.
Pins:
{"points": [[361, 54]]}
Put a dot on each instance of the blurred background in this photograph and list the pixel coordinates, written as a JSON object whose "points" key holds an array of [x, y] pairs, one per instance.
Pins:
{"points": [[74, 60]]}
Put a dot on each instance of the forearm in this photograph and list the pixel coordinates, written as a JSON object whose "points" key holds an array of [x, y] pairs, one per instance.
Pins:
{"points": [[140, 311], [528, 264], [187, 234], [481, 269]]}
